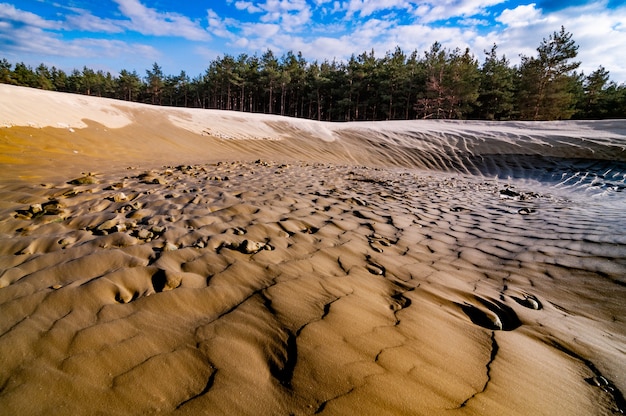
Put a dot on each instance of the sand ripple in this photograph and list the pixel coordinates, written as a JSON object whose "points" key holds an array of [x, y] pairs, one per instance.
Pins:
{"points": [[267, 288]]}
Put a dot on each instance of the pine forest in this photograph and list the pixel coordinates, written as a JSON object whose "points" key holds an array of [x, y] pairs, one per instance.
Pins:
{"points": [[437, 84]]}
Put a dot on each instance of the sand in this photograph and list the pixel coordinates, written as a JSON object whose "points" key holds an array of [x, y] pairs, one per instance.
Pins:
{"points": [[183, 261]]}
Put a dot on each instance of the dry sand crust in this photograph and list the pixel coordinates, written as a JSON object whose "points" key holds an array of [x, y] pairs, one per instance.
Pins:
{"points": [[221, 263]]}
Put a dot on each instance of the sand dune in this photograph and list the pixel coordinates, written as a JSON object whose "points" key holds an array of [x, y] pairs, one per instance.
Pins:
{"points": [[179, 261]]}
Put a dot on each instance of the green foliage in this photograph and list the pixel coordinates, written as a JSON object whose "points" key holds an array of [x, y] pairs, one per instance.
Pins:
{"points": [[547, 81], [439, 83], [497, 88], [5, 72]]}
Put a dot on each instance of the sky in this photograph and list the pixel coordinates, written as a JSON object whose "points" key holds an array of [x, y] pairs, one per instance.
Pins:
{"points": [[112, 35]]}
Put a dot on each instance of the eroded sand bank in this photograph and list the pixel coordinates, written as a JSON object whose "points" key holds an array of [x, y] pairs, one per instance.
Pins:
{"points": [[305, 268]]}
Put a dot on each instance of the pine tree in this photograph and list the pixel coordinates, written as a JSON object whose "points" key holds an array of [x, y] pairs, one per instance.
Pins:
{"points": [[546, 81], [270, 77], [128, 85], [496, 91], [5, 72], [461, 84], [594, 93], [432, 100], [44, 78], [155, 79], [24, 75]]}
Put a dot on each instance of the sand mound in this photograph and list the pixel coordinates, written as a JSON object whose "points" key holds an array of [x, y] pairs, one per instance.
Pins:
{"points": [[306, 274]]}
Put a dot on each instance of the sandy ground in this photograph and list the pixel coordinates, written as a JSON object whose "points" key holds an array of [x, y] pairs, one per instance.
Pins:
{"points": [[181, 261]]}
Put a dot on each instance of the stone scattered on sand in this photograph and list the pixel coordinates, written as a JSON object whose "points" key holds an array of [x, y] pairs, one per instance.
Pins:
{"points": [[239, 231], [52, 207], [144, 234], [169, 246], [88, 179], [107, 226], [248, 246], [157, 229], [35, 208], [151, 179], [120, 197], [508, 193]]}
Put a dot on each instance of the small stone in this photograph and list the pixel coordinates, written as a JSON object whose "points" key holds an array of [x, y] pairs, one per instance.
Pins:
{"points": [[157, 229], [120, 197], [250, 247], [509, 194], [52, 207], [144, 234], [107, 225], [170, 246], [85, 180], [239, 231], [35, 208]]}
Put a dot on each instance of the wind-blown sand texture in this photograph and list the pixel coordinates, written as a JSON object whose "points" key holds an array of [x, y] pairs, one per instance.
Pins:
{"points": [[178, 261]]}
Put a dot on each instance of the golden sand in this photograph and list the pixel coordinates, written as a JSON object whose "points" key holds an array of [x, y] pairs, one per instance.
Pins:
{"points": [[182, 261]]}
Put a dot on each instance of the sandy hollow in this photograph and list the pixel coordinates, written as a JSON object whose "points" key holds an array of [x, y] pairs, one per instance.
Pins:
{"points": [[179, 261]]}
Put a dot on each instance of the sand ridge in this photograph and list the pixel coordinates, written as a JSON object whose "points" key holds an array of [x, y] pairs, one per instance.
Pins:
{"points": [[255, 264]]}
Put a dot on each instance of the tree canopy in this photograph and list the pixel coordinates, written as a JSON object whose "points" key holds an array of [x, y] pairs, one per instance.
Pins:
{"points": [[438, 83]]}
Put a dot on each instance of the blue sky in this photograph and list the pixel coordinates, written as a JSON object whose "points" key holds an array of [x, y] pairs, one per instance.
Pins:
{"points": [[186, 35]]}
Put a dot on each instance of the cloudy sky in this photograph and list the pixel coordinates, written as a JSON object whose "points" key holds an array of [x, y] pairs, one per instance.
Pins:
{"points": [[186, 35]]}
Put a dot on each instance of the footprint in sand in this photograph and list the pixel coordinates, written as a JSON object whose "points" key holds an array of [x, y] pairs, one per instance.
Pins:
{"points": [[528, 301], [375, 268], [491, 314], [377, 242]]}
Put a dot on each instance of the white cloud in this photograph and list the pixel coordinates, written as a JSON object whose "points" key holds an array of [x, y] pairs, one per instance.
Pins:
{"points": [[365, 8], [247, 6], [597, 31], [9, 12], [260, 30], [290, 14], [29, 40], [432, 11], [217, 25], [152, 22], [85, 21], [521, 16]]}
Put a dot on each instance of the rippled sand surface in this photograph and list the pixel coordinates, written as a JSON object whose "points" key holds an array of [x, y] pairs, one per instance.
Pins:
{"points": [[309, 268]]}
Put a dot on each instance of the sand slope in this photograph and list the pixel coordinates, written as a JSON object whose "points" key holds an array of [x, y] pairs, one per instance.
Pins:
{"points": [[228, 263]]}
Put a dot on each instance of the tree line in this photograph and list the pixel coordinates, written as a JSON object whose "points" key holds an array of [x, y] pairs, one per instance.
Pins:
{"points": [[438, 84]]}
